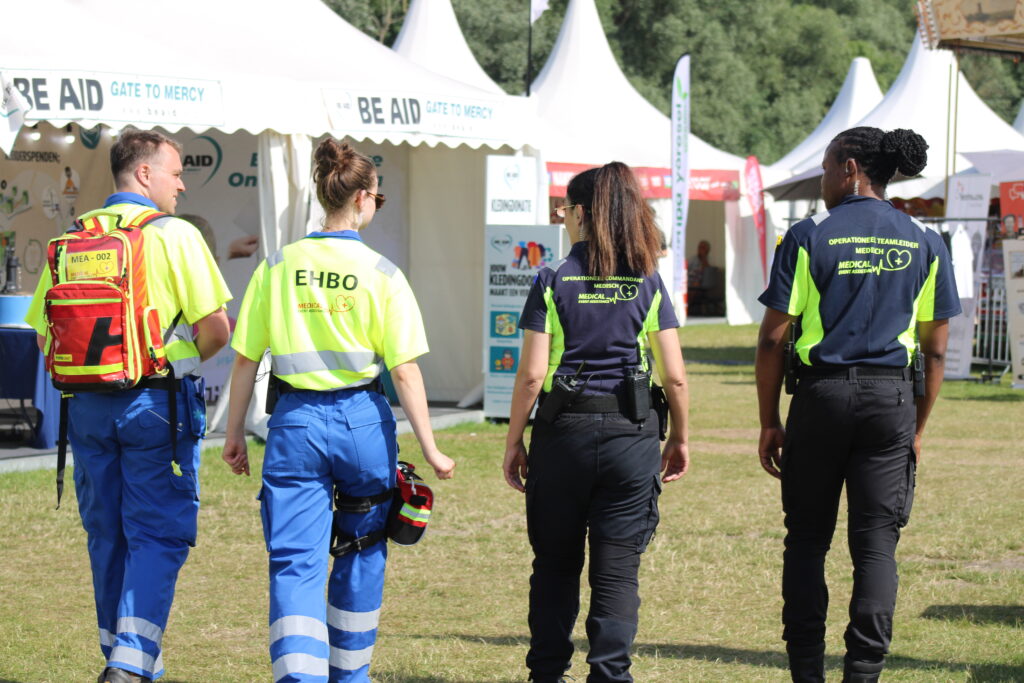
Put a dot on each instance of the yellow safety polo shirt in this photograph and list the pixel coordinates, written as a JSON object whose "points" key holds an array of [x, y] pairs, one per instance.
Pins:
{"points": [[331, 310]]}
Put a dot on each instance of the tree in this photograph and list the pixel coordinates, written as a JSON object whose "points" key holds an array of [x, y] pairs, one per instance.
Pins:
{"points": [[764, 73]]}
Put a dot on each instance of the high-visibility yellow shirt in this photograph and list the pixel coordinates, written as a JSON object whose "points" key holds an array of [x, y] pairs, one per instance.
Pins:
{"points": [[181, 275], [331, 310]]}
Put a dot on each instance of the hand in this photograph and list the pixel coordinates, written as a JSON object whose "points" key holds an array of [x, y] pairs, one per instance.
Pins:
{"points": [[243, 247], [917, 449], [442, 464], [234, 454], [769, 449], [675, 460], [515, 466]]}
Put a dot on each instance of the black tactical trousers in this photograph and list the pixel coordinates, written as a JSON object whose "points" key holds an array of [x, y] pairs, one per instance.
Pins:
{"points": [[596, 472], [859, 431]]}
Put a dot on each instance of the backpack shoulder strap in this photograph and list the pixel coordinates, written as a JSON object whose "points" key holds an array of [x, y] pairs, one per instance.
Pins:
{"points": [[144, 218]]}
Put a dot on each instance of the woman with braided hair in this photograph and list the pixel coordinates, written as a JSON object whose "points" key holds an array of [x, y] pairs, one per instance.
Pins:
{"points": [[868, 288]]}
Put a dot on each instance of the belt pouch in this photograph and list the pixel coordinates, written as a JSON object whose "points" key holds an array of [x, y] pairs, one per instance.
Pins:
{"points": [[637, 388]]}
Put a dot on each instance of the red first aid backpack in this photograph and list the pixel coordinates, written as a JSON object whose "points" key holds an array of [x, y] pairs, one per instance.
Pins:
{"points": [[104, 334]]}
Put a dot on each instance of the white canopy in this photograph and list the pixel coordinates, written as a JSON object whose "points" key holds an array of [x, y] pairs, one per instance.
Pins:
{"points": [[248, 65], [589, 111], [858, 96], [431, 37], [919, 99]]}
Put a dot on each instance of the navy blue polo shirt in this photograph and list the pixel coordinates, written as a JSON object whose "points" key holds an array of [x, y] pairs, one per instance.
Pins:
{"points": [[597, 320], [860, 277]]}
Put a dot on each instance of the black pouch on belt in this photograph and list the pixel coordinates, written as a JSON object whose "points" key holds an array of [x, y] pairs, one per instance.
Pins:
{"points": [[563, 391], [660, 404], [637, 392], [273, 393]]}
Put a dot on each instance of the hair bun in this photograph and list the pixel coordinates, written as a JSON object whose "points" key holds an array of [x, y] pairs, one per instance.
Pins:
{"points": [[907, 149], [332, 157]]}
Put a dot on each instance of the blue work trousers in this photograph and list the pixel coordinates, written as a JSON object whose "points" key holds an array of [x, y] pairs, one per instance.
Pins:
{"points": [[319, 441], [139, 503]]}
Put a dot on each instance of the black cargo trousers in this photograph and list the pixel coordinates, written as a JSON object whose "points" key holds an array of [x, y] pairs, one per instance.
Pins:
{"points": [[596, 472], [859, 430]]}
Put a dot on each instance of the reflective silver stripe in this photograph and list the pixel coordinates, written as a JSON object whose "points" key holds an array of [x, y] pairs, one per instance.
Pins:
{"points": [[186, 366], [132, 657], [313, 361], [924, 228], [299, 663], [819, 217], [350, 660], [162, 222], [387, 267], [107, 638], [298, 626], [146, 629], [275, 258], [352, 622]]}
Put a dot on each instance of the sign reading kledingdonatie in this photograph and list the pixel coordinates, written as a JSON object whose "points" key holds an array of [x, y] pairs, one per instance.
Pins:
{"points": [[132, 98], [368, 111], [512, 256], [511, 190]]}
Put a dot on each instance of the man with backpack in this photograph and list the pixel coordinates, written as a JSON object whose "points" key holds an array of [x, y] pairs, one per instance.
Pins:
{"points": [[115, 313]]}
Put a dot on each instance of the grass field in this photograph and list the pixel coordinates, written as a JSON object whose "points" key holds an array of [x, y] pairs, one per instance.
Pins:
{"points": [[455, 605]]}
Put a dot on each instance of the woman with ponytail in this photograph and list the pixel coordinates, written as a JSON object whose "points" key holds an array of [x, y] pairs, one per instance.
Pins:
{"points": [[870, 291], [334, 314], [594, 458]]}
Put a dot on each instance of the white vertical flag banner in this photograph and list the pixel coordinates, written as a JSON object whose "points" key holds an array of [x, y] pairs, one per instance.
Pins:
{"points": [[680, 180], [13, 109], [537, 8]]}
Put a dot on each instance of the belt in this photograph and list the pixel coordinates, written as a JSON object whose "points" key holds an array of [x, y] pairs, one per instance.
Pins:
{"points": [[156, 382], [594, 403], [285, 388], [854, 372]]}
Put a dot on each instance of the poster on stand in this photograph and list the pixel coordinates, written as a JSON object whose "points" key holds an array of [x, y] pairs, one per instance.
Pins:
{"points": [[968, 198], [1013, 260], [680, 181], [513, 254]]}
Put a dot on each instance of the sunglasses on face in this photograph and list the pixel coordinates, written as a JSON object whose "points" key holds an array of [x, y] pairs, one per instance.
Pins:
{"points": [[560, 210], [378, 199]]}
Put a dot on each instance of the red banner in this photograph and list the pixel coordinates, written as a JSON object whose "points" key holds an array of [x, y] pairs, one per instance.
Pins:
{"points": [[1011, 206], [754, 194], [656, 183]]}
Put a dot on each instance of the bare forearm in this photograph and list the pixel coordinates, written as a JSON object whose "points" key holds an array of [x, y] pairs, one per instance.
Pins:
{"points": [[678, 394], [934, 369], [524, 395], [768, 369], [412, 395], [243, 377]]}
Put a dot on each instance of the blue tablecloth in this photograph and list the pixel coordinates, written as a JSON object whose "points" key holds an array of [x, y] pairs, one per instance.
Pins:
{"points": [[23, 376]]}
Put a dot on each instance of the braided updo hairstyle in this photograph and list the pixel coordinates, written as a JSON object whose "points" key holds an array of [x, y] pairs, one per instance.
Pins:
{"points": [[339, 172], [881, 154]]}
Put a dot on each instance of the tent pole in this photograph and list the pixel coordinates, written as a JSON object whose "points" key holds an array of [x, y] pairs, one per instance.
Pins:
{"points": [[529, 48], [949, 114], [956, 109]]}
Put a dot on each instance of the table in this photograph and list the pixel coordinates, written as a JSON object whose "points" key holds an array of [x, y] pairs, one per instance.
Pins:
{"points": [[23, 376]]}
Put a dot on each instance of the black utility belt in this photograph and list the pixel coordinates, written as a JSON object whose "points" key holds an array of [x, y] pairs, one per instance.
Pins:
{"points": [[156, 382], [596, 403], [853, 373]]}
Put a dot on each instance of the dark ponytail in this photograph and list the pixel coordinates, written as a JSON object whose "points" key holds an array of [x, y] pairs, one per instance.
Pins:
{"points": [[339, 172], [621, 233], [881, 154]]}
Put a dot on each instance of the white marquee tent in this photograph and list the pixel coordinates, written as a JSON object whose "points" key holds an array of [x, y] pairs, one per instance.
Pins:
{"points": [[857, 97], [920, 99], [589, 113], [431, 37], [289, 74]]}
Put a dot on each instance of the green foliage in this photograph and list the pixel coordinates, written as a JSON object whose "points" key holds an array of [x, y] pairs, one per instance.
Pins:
{"points": [[764, 73]]}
